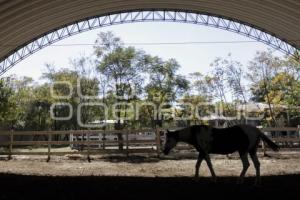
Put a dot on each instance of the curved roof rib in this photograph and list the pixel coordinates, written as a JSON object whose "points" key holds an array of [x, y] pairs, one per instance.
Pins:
{"points": [[25, 21]]}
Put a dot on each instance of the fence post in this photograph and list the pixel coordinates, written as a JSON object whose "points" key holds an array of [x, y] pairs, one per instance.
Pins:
{"points": [[71, 139], [99, 139], [49, 146], [88, 147], [127, 143], [103, 141], [263, 147], [11, 144], [157, 133]]}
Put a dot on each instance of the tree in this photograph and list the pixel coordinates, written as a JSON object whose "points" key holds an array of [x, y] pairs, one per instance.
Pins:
{"points": [[5, 104], [76, 78], [283, 94], [165, 83], [217, 80], [291, 68], [200, 86], [235, 80], [262, 70], [37, 116], [122, 67], [22, 93], [188, 105]]}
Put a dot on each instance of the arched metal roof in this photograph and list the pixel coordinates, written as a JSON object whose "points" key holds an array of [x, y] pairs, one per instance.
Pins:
{"points": [[23, 21]]}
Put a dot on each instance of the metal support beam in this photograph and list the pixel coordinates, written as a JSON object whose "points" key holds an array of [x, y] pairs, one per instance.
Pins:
{"points": [[144, 16]]}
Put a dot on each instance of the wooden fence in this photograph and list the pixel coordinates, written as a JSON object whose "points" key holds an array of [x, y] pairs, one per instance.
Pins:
{"points": [[129, 145]]}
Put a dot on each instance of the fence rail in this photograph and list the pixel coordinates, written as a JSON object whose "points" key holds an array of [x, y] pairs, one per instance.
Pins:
{"points": [[129, 145], [152, 145], [272, 129]]}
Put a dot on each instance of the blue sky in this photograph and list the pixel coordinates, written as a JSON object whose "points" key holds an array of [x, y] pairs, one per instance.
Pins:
{"points": [[192, 57]]}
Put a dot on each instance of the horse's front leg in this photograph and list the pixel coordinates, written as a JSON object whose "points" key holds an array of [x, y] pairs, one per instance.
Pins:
{"points": [[246, 164], [211, 169], [198, 164]]}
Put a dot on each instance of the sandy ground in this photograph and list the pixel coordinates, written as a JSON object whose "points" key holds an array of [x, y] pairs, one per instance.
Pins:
{"points": [[136, 177], [277, 164]]}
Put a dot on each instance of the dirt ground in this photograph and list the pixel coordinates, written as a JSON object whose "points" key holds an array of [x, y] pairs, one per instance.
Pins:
{"points": [[74, 165], [72, 177]]}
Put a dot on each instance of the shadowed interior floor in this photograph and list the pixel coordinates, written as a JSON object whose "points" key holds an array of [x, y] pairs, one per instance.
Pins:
{"points": [[42, 187]]}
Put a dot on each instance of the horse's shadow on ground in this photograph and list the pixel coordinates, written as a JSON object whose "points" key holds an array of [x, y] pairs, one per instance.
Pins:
{"points": [[109, 187], [135, 159], [138, 159]]}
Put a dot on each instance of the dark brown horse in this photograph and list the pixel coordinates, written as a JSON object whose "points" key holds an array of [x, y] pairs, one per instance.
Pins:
{"points": [[243, 139]]}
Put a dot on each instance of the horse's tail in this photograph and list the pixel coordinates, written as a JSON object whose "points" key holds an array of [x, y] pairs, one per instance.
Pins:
{"points": [[269, 142]]}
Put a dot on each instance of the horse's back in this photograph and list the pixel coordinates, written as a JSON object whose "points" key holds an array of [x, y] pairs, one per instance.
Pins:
{"points": [[229, 140]]}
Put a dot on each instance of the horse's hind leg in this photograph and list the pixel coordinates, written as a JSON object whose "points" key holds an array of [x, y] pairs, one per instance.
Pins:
{"points": [[256, 163], [246, 164], [198, 164]]}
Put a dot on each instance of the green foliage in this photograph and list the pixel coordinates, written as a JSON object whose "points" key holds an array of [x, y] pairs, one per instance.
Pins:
{"points": [[121, 74], [5, 104], [275, 81], [121, 66], [165, 83]]}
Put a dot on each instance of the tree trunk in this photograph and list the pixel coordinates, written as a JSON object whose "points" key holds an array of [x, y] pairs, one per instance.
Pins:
{"points": [[269, 104], [118, 125]]}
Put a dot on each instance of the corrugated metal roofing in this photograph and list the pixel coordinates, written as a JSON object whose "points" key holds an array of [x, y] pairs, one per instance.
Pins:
{"points": [[23, 20]]}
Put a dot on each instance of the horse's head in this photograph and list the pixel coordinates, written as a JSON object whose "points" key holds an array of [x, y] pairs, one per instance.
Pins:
{"points": [[171, 141]]}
